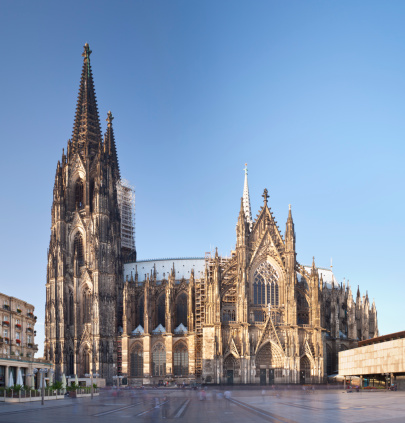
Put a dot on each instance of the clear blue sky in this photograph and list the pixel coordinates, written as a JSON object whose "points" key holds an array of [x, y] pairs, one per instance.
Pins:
{"points": [[310, 94]]}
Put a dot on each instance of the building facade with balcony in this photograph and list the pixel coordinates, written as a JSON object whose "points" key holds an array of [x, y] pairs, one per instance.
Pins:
{"points": [[17, 335]]}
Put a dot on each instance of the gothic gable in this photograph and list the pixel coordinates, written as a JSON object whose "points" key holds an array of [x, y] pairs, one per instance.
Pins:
{"points": [[77, 169]]}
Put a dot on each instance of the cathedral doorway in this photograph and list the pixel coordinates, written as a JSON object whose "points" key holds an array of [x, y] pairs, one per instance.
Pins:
{"points": [[263, 377], [229, 377], [231, 367], [271, 376], [305, 370]]}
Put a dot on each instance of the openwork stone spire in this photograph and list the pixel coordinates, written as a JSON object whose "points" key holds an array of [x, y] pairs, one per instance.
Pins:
{"points": [[246, 200], [110, 147], [86, 128]]}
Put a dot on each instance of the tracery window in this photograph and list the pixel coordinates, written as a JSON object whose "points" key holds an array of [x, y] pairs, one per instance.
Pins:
{"points": [[180, 360], [159, 360], [265, 286], [259, 315], [70, 308], [136, 359], [79, 203], [87, 306], [78, 248], [70, 363], [161, 310], [181, 309], [86, 361], [228, 316], [141, 311]]}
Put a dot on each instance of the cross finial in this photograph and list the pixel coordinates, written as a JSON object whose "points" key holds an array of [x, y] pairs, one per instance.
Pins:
{"points": [[265, 195], [245, 169], [110, 118]]}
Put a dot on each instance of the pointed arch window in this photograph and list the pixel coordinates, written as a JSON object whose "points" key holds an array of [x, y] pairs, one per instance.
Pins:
{"points": [[78, 248], [161, 310], [86, 361], [71, 308], [136, 361], [180, 360], [79, 199], [159, 360], [265, 286], [181, 309], [87, 306], [70, 364], [141, 311]]}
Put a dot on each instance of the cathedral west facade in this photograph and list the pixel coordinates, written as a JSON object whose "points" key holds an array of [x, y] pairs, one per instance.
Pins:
{"points": [[257, 316]]}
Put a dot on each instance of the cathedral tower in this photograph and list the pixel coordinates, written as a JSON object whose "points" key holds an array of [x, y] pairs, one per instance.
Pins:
{"points": [[84, 273]]}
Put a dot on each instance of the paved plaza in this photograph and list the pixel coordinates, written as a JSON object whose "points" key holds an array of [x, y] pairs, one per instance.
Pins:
{"points": [[285, 406]]}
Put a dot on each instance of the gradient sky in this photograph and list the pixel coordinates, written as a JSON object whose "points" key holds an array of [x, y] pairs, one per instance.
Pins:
{"points": [[310, 94]]}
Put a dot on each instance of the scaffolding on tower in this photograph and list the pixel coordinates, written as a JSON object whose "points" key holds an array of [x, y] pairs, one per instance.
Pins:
{"points": [[126, 204]]}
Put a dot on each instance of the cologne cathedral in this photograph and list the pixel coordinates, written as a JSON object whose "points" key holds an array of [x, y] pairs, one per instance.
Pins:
{"points": [[257, 316]]}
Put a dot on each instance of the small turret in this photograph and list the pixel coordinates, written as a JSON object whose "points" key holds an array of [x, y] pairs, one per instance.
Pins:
{"points": [[246, 201], [289, 232]]}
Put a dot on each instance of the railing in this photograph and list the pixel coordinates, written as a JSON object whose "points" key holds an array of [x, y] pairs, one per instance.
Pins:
{"points": [[35, 394]]}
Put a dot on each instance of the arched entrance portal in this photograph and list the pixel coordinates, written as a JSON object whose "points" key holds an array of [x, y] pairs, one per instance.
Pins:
{"points": [[269, 365], [231, 369], [305, 370]]}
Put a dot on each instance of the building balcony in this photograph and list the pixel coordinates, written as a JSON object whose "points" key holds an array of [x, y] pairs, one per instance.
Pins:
{"points": [[29, 330], [18, 341], [6, 323], [18, 326], [6, 307], [30, 345], [19, 311]]}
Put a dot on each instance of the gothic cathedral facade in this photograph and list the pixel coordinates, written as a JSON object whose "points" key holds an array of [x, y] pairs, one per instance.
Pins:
{"points": [[257, 316]]}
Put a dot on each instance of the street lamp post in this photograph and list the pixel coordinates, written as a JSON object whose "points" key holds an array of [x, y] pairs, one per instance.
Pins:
{"points": [[41, 372], [91, 375]]}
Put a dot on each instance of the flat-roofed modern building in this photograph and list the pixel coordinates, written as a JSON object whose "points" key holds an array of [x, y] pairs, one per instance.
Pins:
{"points": [[378, 360]]}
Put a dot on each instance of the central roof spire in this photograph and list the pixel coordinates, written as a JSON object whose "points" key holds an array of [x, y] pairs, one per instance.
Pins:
{"points": [[246, 200]]}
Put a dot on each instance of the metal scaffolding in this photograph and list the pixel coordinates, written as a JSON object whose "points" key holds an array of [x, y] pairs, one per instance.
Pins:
{"points": [[126, 204]]}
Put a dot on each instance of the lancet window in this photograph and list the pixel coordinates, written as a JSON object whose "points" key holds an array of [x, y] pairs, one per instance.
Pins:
{"points": [[87, 306], [180, 360], [136, 361], [161, 309], [181, 309], [71, 308], [78, 248], [159, 360], [141, 311], [265, 285], [79, 203]]}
